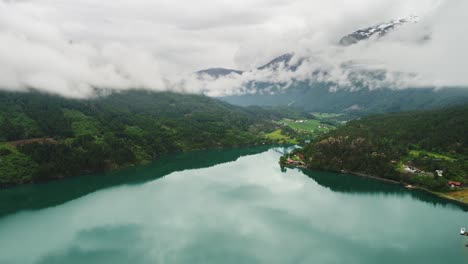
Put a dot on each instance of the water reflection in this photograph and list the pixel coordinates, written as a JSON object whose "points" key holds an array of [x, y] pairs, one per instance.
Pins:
{"points": [[102, 244], [346, 183], [39, 196]]}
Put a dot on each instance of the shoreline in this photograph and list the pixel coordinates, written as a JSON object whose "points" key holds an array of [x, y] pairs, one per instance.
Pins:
{"points": [[363, 175], [414, 187]]}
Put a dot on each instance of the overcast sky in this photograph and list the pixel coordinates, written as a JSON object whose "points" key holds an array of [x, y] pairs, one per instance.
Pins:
{"points": [[69, 46]]}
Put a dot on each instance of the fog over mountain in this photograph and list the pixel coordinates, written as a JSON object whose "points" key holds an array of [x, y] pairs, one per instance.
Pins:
{"points": [[76, 47]]}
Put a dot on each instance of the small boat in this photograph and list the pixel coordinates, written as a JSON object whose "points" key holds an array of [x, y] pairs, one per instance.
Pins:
{"points": [[409, 186], [463, 232]]}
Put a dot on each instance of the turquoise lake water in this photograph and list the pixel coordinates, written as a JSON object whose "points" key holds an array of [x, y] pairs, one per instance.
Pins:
{"points": [[230, 206]]}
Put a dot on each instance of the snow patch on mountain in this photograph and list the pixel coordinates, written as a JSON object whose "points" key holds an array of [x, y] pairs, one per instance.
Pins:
{"points": [[378, 30]]}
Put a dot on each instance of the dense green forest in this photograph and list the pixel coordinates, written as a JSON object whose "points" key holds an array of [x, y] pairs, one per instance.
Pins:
{"points": [[359, 101], [408, 147], [44, 137]]}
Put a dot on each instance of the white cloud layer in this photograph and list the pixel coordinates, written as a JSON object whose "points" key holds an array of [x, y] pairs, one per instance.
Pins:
{"points": [[72, 47]]}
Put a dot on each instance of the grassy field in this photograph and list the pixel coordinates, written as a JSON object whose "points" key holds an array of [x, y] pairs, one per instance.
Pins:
{"points": [[417, 153], [310, 125], [277, 136], [326, 115], [461, 195]]}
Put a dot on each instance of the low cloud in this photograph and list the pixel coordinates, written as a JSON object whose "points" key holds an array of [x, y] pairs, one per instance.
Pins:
{"points": [[74, 47]]}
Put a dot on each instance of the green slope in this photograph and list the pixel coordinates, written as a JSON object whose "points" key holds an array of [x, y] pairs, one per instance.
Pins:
{"points": [[113, 131], [382, 145]]}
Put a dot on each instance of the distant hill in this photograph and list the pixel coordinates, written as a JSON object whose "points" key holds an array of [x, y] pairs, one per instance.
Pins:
{"points": [[317, 98]]}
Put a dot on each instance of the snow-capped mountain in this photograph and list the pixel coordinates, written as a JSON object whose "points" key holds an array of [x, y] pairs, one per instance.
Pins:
{"points": [[287, 61], [284, 60], [316, 96], [277, 62], [377, 30]]}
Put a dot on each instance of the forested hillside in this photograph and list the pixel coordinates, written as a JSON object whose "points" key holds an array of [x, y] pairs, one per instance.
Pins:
{"points": [[317, 97], [44, 137], [408, 147]]}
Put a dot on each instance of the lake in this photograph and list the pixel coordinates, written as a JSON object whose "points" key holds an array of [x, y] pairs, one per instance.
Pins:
{"points": [[227, 206]]}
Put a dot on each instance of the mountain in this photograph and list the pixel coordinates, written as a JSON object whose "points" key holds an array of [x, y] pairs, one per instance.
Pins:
{"points": [[283, 62], [408, 147], [379, 30], [218, 72], [44, 137], [285, 59], [316, 97]]}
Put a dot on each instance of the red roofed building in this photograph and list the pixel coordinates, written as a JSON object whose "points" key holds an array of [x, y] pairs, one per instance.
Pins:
{"points": [[454, 184]]}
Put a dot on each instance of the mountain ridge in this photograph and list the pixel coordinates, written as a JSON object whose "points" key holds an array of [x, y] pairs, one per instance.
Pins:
{"points": [[380, 29]]}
